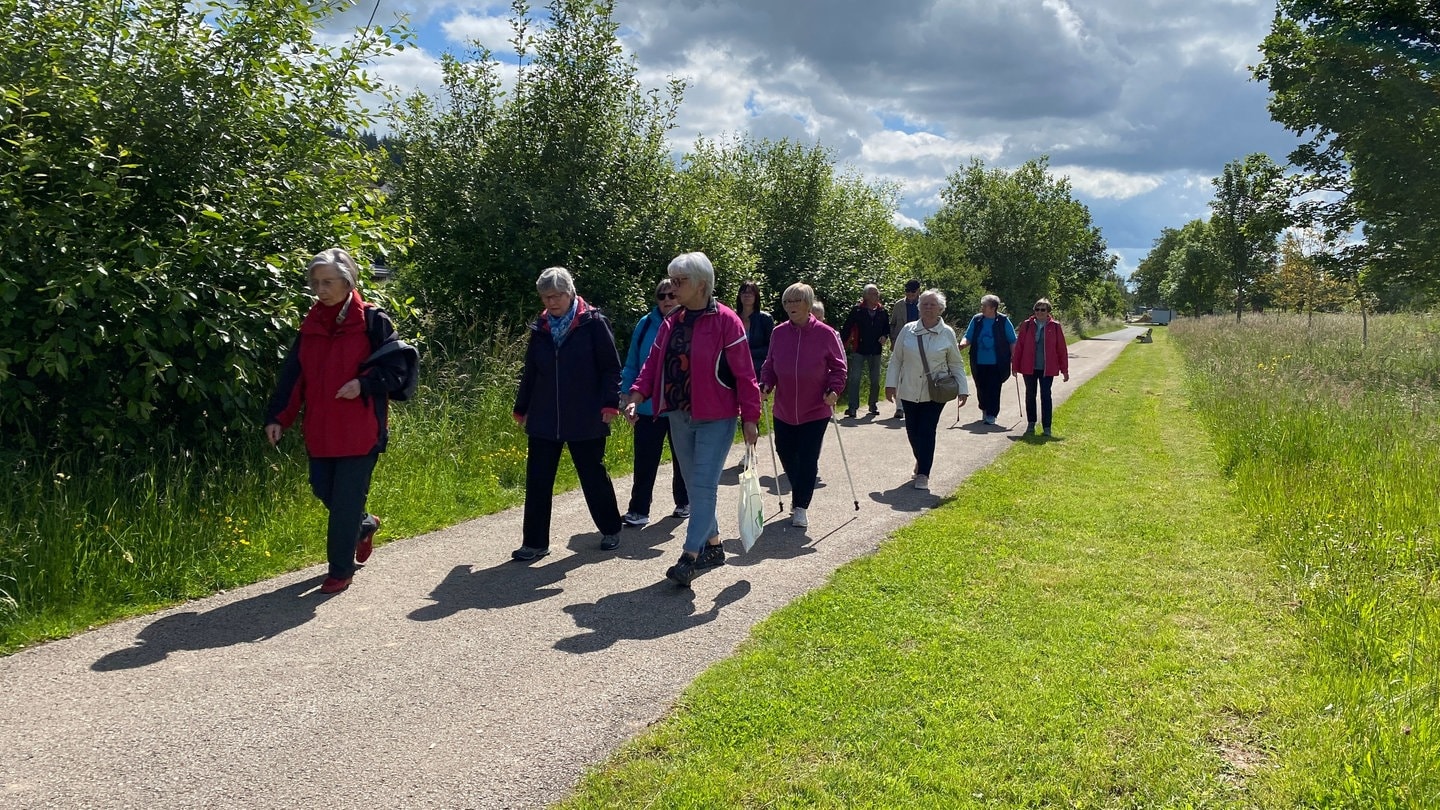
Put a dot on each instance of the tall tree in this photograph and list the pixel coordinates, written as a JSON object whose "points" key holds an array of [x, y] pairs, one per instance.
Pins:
{"points": [[1149, 275], [1196, 275], [1359, 78], [1248, 213]]}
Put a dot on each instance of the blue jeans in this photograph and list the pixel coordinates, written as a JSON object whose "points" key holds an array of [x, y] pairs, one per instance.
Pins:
{"points": [[701, 445]]}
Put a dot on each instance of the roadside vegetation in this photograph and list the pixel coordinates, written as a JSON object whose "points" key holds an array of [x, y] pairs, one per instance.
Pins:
{"points": [[1115, 637], [1332, 444]]}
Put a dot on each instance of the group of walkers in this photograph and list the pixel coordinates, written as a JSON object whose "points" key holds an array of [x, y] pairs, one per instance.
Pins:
{"points": [[694, 369]]}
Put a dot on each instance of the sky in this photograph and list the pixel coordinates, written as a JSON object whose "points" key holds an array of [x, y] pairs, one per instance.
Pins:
{"points": [[1138, 102]]}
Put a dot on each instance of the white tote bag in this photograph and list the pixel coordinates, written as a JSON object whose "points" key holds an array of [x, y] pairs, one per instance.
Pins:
{"points": [[752, 507]]}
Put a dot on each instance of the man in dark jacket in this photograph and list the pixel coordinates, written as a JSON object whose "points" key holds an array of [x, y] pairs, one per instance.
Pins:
{"points": [[865, 333], [569, 393]]}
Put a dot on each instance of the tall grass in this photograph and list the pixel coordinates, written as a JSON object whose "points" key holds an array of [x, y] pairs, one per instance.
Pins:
{"points": [[88, 540], [1333, 449]]}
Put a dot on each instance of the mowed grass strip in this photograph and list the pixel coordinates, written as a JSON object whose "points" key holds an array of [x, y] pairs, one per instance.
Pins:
{"points": [[1087, 623]]}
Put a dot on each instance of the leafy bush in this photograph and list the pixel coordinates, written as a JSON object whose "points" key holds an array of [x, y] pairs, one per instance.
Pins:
{"points": [[164, 172]]}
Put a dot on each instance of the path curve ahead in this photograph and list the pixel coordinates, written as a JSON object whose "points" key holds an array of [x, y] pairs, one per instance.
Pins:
{"points": [[447, 676]]}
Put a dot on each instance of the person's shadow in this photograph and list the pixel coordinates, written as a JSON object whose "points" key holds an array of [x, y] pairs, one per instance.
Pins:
{"points": [[244, 622], [979, 426], [507, 584], [905, 498], [656, 610], [777, 541]]}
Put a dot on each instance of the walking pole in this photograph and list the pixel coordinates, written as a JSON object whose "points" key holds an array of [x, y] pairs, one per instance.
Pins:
{"points": [[846, 461], [770, 417]]}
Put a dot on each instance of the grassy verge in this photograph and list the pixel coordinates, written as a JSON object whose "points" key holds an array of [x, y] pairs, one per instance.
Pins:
{"points": [[84, 542], [1087, 623], [1332, 445]]}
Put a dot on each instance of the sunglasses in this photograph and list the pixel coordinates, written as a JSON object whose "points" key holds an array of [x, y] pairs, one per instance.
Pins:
{"points": [[1042, 309], [663, 296]]}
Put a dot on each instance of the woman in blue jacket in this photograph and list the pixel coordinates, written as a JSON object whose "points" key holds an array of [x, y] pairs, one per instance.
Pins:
{"points": [[651, 431], [569, 392]]}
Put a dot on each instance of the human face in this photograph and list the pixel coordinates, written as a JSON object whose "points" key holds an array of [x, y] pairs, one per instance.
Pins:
{"points": [[929, 311], [989, 310], [556, 303], [797, 309], [872, 297], [328, 285], [687, 292], [1042, 312], [747, 298], [666, 300], [911, 296]]}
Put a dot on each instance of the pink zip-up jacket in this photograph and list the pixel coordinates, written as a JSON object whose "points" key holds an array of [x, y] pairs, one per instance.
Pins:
{"points": [[717, 331], [804, 363], [1057, 355]]}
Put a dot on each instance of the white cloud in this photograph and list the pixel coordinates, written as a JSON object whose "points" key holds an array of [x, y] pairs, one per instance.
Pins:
{"points": [[492, 32], [892, 146], [1108, 183]]}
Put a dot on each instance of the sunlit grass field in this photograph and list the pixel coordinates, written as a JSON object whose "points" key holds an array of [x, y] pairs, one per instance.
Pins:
{"points": [[1333, 443], [85, 541]]}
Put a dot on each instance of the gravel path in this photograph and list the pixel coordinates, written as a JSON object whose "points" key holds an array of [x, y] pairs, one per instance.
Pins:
{"points": [[447, 676]]}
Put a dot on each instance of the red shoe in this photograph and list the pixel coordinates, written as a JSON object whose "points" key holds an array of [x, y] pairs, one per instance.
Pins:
{"points": [[333, 585], [367, 543]]}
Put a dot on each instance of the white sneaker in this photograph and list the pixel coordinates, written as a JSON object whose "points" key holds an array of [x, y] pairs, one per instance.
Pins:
{"points": [[922, 482], [798, 518], [635, 519]]}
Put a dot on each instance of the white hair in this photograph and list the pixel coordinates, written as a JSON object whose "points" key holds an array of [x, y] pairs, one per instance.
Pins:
{"points": [[697, 269], [555, 278]]}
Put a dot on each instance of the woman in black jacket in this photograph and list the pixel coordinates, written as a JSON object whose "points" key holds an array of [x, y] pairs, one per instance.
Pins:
{"points": [[569, 393]]}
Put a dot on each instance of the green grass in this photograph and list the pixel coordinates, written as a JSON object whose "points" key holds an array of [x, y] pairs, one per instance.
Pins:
{"points": [[84, 542], [1088, 622], [1333, 448]]}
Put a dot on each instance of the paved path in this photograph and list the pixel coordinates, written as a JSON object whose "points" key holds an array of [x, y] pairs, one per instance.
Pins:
{"points": [[447, 676]]}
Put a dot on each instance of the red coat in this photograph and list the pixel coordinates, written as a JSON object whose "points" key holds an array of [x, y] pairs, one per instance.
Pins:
{"points": [[327, 355], [1057, 354]]}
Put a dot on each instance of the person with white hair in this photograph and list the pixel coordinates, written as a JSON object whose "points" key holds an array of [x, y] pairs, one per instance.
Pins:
{"points": [[989, 337], [927, 347], [345, 397], [700, 376], [569, 393]]}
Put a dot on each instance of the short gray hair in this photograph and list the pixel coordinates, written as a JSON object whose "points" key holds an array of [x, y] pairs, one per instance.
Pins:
{"points": [[990, 301], [695, 267], [805, 291], [555, 278], [936, 294], [339, 259]]}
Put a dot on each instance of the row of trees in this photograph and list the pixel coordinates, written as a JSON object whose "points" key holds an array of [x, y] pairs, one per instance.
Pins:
{"points": [[165, 172]]}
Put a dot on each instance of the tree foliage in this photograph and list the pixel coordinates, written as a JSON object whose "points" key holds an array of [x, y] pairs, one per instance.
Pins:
{"points": [[1360, 80], [1303, 281], [1195, 271], [164, 170], [1248, 213], [1150, 275]]}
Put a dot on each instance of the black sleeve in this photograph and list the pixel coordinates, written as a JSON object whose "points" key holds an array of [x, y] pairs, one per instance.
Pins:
{"points": [[607, 364], [285, 387], [388, 373]]}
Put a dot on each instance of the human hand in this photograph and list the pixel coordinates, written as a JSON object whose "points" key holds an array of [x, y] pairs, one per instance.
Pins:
{"points": [[751, 431], [607, 416], [272, 432], [831, 398], [889, 395], [960, 400], [349, 390], [1067, 375], [630, 415], [519, 418]]}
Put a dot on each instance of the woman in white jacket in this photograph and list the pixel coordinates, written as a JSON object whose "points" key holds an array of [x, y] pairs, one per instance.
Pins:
{"points": [[906, 377]]}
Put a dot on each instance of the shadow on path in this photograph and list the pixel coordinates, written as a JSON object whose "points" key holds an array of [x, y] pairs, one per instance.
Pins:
{"points": [[777, 541], [905, 498], [650, 612], [246, 621]]}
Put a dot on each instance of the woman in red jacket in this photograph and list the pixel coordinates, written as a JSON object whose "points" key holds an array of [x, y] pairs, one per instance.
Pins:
{"points": [[1040, 353], [806, 370], [346, 405]]}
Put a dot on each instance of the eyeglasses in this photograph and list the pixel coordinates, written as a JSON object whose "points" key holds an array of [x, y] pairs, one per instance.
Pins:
{"points": [[664, 295], [678, 280], [793, 301], [1042, 309]]}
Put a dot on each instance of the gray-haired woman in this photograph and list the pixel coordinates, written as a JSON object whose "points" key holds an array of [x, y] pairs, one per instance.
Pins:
{"points": [[933, 339], [569, 393], [346, 406], [989, 337]]}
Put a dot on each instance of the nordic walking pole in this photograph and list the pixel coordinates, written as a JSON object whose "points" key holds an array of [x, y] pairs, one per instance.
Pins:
{"points": [[1019, 406], [774, 466], [845, 460]]}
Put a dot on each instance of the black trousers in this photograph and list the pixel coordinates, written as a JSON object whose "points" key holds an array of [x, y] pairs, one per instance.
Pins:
{"points": [[989, 380], [650, 436], [540, 466], [1047, 408], [922, 419], [799, 449], [343, 484]]}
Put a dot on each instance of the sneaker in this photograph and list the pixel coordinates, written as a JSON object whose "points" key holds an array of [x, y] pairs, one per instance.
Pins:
{"points": [[899, 414], [874, 411], [366, 545], [989, 420], [1030, 427], [681, 512], [1047, 432], [682, 572], [712, 556], [609, 542], [849, 413], [333, 585], [635, 519], [799, 518], [528, 553], [922, 482]]}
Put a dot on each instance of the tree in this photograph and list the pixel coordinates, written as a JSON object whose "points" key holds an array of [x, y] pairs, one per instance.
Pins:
{"points": [[165, 171], [1149, 276], [1248, 215], [1196, 271], [1360, 80]]}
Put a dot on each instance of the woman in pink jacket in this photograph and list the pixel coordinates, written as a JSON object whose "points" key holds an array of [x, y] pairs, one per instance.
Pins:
{"points": [[1040, 353], [700, 376], [806, 370]]}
